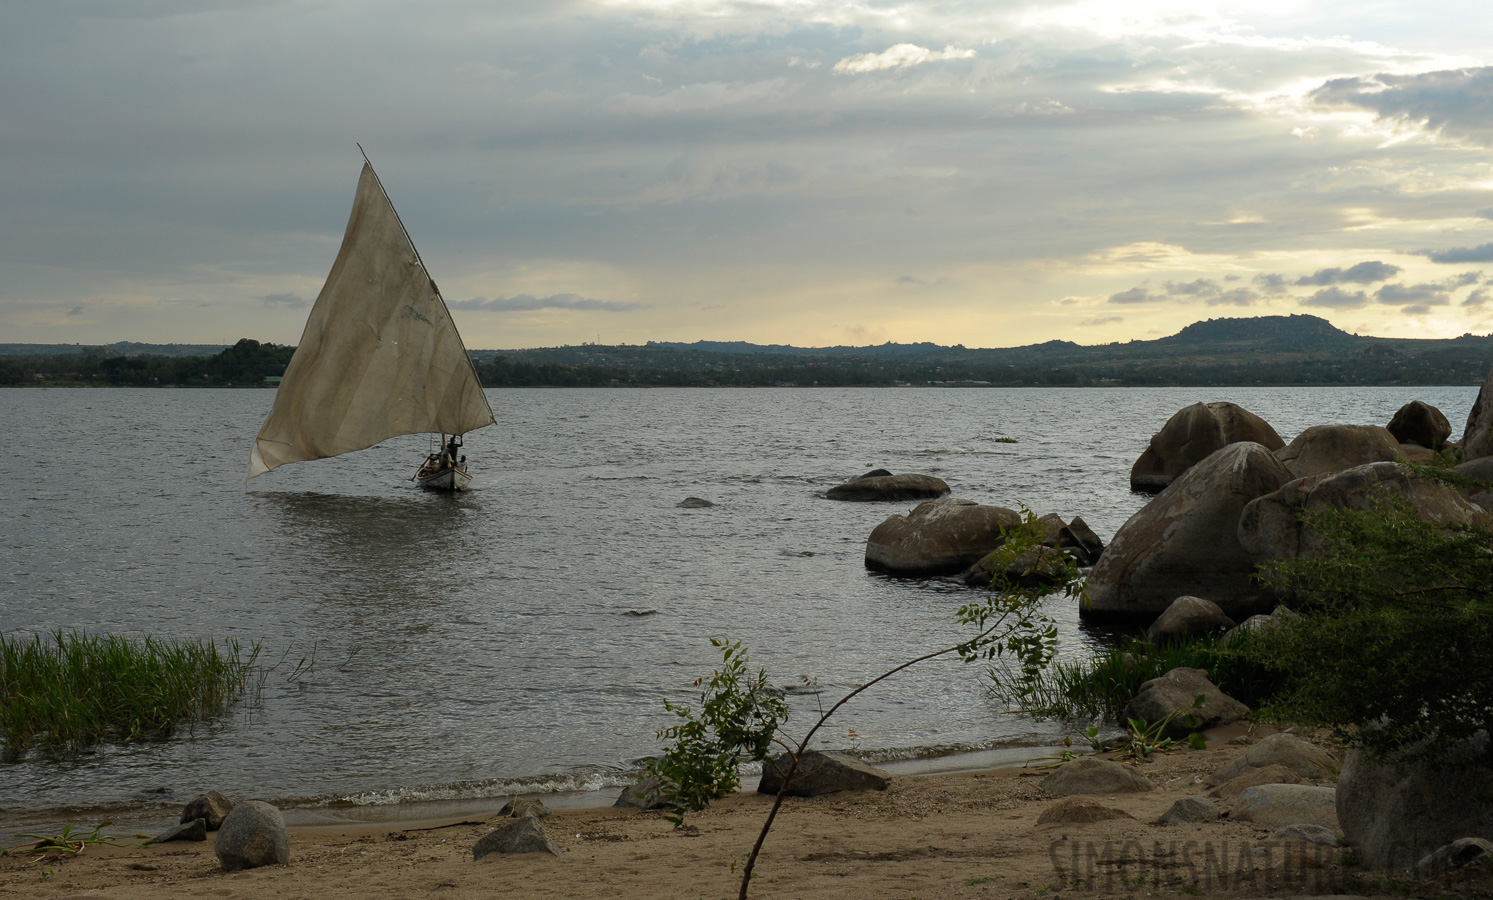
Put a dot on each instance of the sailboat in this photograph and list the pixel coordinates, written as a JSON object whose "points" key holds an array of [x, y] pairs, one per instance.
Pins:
{"points": [[380, 357]]}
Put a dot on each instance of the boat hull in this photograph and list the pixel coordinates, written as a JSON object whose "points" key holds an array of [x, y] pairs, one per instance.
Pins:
{"points": [[448, 479]]}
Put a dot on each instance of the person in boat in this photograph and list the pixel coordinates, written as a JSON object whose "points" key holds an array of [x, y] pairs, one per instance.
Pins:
{"points": [[451, 449]]}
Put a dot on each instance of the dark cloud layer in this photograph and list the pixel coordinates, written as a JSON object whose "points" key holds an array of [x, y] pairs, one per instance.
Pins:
{"points": [[1336, 298], [1363, 273], [1480, 253], [1458, 102]]}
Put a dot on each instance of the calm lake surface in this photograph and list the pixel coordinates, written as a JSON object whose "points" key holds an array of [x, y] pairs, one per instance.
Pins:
{"points": [[524, 635]]}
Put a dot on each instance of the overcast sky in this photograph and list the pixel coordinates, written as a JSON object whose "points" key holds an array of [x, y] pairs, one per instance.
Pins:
{"points": [[809, 172]]}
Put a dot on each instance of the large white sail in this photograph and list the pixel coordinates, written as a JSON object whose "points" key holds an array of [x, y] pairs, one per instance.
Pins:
{"points": [[380, 355]]}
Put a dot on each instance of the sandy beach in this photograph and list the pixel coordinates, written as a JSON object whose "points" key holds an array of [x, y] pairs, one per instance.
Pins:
{"points": [[973, 834]]}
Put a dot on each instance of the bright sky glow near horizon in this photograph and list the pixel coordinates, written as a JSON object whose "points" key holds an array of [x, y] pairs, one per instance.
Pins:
{"points": [[810, 172]]}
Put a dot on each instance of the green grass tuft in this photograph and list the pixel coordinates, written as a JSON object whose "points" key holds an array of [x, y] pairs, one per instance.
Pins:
{"points": [[65, 692]]}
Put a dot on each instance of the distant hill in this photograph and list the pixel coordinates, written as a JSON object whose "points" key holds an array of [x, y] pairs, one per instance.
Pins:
{"points": [[1264, 350]]}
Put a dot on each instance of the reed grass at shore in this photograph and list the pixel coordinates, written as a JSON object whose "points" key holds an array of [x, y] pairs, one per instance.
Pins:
{"points": [[64, 692]]}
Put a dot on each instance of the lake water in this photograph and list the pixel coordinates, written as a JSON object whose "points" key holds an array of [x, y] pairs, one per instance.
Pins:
{"points": [[524, 635]]}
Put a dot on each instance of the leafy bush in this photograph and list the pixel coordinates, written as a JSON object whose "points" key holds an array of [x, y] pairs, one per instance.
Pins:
{"points": [[1395, 645]]}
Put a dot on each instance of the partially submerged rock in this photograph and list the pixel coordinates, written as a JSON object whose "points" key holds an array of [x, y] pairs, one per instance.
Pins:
{"points": [[1175, 694], [1193, 434], [1186, 542], [1188, 617], [694, 503], [868, 488], [1278, 805], [1087, 775], [523, 835], [648, 792], [822, 772], [939, 537], [253, 835]]}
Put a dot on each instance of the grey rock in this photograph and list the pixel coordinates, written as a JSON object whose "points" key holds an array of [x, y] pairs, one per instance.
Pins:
{"points": [[1079, 810], [1087, 775], [1190, 809], [1039, 565], [868, 488], [1305, 759], [523, 835], [939, 537], [525, 806], [1395, 812], [1417, 454], [1453, 856], [822, 772], [1333, 448], [1271, 528], [253, 835], [195, 830], [1275, 774], [646, 793], [1193, 434], [1477, 435], [1086, 539], [1420, 423], [1314, 834], [1258, 625], [211, 807], [694, 503], [874, 473], [1176, 692], [1278, 805], [1188, 617], [1186, 541]]}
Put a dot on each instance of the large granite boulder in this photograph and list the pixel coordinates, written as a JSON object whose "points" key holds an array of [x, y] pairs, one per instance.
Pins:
{"points": [[252, 835], [1278, 805], [1455, 855], [1477, 435], [939, 537], [1420, 423], [524, 834], [871, 488], [1333, 448], [1175, 693], [1396, 811], [1193, 434], [1087, 775], [1271, 527], [1302, 757], [1186, 541], [822, 772], [1188, 617]]}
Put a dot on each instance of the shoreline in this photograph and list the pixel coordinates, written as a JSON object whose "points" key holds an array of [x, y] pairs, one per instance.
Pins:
{"points": [[971, 833]]}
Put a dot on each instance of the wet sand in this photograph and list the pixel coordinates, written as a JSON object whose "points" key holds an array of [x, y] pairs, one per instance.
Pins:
{"points": [[961, 834]]}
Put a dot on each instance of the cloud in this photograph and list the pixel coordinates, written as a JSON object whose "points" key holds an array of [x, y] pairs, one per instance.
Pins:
{"points": [[1271, 283], [1456, 102], [289, 301], [1485, 213], [1480, 253], [78, 310], [1236, 297], [1425, 294], [1477, 299], [1202, 287], [1363, 273], [528, 303], [1336, 298], [1134, 295], [910, 279], [1101, 320], [898, 56]]}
